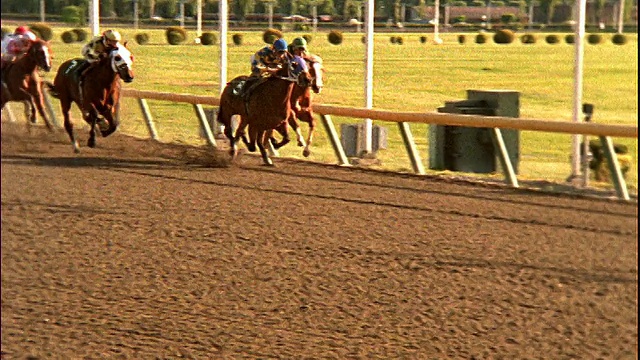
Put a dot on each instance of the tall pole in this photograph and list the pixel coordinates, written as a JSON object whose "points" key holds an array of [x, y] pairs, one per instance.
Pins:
{"points": [[621, 18], [95, 17], [198, 18], [368, 83], [223, 17], [270, 6], [135, 14], [577, 90], [314, 15], [41, 10], [436, 23], [182, 13]]}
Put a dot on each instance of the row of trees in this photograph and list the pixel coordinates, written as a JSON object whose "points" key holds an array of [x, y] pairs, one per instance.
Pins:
{"points": [[347, 9]]}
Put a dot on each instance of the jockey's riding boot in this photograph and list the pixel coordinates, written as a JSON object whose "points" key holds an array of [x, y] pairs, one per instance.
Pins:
{"points": [[248, 87]]}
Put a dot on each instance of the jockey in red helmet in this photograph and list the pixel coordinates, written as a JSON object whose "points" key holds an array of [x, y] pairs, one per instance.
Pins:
{"points": [[15, 45]]}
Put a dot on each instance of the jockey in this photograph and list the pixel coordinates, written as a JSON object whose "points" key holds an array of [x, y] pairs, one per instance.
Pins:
{"points": [[97, 48], [15, 45], [299, 47], [267, 59], [101, 45], [264, 63]]}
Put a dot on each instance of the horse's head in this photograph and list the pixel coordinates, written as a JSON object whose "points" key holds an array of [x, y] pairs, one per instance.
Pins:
{"points": [[299, 71], [122, 63], [41, 52], [317, 73]]}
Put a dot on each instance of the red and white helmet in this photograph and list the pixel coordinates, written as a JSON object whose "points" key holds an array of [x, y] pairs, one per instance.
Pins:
{"points": [[21, 30]]}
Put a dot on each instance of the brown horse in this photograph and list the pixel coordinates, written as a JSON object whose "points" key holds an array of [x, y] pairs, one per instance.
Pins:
{"points": [[268, 107], [302, 101], [21, 81], [99, 94], [232, 103]]}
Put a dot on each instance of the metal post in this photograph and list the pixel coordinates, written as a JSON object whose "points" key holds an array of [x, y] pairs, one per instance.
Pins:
{"points": [[621, 18], [587, 109], [47, 104], [204, 125], [148, 119], [314, 15], [335, 139], [9, 113], [503, 156], [182, 13], [414, 155], [42, 12], [614, 167], [135, 14]]}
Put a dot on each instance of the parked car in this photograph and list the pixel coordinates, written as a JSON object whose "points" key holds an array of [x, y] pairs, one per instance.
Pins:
{"points": [[296, 18]]}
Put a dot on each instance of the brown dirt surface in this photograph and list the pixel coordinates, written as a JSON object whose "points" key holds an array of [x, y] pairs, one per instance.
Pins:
{"points": [[141, 250]]}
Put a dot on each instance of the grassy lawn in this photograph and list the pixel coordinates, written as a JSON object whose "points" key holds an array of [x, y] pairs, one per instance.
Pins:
{"points": [[412, 77]]}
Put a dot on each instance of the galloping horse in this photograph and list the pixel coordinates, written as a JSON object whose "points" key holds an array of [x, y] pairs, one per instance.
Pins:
{"points": [[301, 102], [99, 95], [268, 107], [232, 103], [21, 81]]}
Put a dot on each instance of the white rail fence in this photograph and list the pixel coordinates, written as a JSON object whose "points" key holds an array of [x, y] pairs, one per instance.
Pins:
{"points": [[403, 119]]}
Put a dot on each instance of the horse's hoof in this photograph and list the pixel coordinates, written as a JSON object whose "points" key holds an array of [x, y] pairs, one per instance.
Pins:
{"points": [[91, 144], [76, 150], [306, 152]]}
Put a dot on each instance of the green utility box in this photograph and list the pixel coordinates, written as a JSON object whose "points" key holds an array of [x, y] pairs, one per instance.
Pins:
{"points": [[470, 149]]}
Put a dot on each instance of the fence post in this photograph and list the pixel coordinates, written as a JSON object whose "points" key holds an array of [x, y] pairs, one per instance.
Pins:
{"points": [[614, 168], [9, 113], [335, 139], [414, 155], [204, 124], [52, 114], [148, 119], [503, 156]]}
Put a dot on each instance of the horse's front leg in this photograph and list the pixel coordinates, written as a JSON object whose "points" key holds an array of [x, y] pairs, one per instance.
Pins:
{"points": [[283, 130], [38, 99], [262, 139], [112, 125], [92, 118], [306, 115], [68, 125]]}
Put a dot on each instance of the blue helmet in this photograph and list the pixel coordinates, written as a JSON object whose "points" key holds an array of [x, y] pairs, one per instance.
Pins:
{"points": [[280, 45]]}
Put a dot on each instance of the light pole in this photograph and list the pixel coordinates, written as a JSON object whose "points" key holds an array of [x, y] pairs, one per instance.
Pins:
{"points": [[41, 10], [135, 14], [314, 15], [621, 18], [182, 13]]}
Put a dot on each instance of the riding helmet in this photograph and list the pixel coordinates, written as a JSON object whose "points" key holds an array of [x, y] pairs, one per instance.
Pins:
{"points": [[112, 35], [21, 30], [280, 45], [300, 43]]}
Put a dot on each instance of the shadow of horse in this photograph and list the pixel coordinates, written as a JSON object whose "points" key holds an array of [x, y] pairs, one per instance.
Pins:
{"points": [[269, 107], [99, 94], [21, 81]]}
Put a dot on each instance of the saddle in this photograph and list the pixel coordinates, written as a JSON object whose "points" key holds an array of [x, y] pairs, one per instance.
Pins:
{"points": [[76, 68], [244, 87]]}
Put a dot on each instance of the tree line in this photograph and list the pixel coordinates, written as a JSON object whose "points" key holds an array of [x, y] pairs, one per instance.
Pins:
{"points": [[345, 9]]}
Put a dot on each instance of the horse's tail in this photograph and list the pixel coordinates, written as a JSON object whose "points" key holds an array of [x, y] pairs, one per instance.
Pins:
{"points": [[52, 89]]}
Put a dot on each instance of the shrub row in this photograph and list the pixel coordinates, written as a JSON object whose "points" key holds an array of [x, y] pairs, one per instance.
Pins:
{"points": [[74, 35]]}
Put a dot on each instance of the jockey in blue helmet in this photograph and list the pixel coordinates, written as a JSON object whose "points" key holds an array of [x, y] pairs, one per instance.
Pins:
{"points": [[267, 60]]}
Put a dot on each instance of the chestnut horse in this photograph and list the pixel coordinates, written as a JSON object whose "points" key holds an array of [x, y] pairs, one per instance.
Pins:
{"points": [[268, 107], [302, 101], [21, 81], [99, 95]]}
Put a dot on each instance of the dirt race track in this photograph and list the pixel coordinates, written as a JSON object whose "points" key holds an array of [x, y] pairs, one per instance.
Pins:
{"points": [[137, 250]]}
